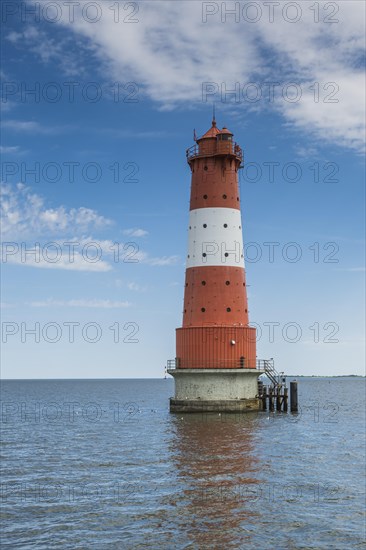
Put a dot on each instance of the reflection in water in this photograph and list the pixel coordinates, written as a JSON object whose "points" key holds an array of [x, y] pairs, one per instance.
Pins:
{"points": [[216, 468]]}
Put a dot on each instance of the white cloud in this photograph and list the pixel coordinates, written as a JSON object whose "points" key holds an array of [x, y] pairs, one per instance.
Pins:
{"points": [[49, 47], [136, 287], [142, 257], [22, 125], [14, 37], [40, 260], [135, 232], [100, 304], [170, 52], [9, 149], [305, 152], [35, 235], [6, 106], [33, 127], [25, 215], [27, 224]]}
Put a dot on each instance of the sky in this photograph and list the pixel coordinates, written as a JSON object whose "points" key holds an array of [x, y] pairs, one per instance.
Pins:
{"points": [[100, 101]]}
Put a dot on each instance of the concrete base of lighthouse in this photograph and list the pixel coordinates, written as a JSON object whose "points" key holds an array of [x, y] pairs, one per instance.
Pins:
{"points": [[215, 390]]}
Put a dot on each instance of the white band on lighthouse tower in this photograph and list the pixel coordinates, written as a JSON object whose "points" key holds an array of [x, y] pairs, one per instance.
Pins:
{"points": [[215, 238]]}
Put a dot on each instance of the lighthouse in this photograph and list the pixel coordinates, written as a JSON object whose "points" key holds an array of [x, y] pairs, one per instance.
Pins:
{"points": [[215, 368]]}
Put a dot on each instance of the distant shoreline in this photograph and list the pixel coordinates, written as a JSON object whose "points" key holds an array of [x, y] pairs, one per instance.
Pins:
{"points": [[324, 376]]}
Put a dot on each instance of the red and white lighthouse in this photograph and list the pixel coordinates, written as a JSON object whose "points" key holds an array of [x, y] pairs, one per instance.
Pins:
{"points": [[215, 366]]}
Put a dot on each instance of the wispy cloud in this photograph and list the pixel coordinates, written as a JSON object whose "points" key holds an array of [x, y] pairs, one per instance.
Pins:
{"points": [[29, 226], [360, 269], [24, 214], [162, 261], [135, 232], [143, 257], [9, 149], [33, 127], [7, 106], [171, 52], [49, 47], [135, 287], [22, 125], [79, 261], [305, 152]]}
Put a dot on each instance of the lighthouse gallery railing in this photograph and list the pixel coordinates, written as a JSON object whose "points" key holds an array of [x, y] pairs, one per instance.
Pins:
{"points": [[240, 363], [267, 365], [230, 149]]}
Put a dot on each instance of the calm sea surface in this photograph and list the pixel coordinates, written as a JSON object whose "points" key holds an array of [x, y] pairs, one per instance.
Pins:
{"points": [[103, 464]]}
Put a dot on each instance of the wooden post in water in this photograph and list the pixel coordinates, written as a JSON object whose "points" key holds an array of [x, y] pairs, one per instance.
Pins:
{"points": [[264, 398], [293, 397], [270, 398], [278, 397], [285, 399]]}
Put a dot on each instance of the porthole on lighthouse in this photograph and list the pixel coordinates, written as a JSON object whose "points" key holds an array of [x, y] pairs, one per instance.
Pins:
{"points": [[216, 367]]}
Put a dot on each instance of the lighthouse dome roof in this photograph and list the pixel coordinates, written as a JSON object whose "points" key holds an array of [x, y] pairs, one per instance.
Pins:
{"points": [[226, 131], [212, 132]]}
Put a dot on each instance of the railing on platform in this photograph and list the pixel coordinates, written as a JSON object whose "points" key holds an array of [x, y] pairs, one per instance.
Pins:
{"points": [[277, 378], [230, 149], [241, 363]]}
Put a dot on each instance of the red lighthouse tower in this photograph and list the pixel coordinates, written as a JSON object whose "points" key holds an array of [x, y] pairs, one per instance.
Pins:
{"points": [[215, 365]]}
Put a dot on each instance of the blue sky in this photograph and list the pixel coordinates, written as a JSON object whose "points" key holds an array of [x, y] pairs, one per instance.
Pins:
{"points": [[114, 106]]}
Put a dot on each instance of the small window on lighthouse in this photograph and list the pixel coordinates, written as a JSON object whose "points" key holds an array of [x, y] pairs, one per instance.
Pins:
{"points": [[227, 283], [203, 283], [224, 196], [225, 225], [205, 225], [203, 309], [225, 137], [205, 196], [228, 309], [204, 254]]}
